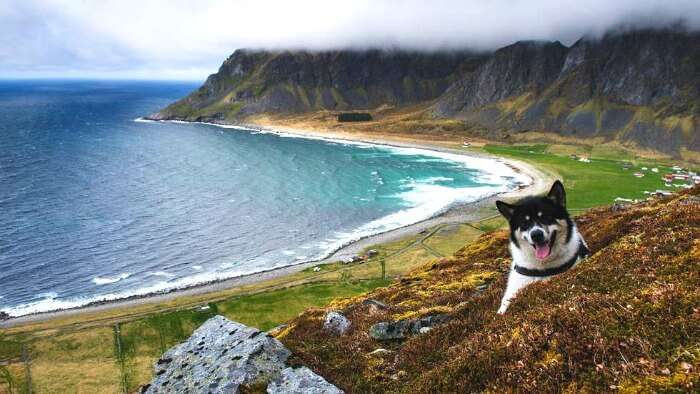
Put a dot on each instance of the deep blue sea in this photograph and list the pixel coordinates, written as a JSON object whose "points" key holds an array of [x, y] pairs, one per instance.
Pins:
{"points": [[95, 205]]}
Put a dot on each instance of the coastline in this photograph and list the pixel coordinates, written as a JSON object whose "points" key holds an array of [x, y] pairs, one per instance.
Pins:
{"points": [[460, 212]]}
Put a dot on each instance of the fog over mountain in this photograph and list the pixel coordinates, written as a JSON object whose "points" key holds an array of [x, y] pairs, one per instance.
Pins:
{"points": [[188, 39]]}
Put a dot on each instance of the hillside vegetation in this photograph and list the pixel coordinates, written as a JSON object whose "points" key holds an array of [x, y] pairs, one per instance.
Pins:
{"points": [[626, 319]]}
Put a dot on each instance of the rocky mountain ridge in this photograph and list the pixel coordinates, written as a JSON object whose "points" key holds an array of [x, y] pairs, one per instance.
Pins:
{"points": [[258, 81], [641, 88]]}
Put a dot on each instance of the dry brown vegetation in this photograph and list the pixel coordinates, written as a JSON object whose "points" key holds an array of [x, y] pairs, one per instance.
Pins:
{"points": [[627, 319]]}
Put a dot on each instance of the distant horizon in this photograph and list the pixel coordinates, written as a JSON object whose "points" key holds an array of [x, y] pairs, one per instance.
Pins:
{"points": [[105, 78]]}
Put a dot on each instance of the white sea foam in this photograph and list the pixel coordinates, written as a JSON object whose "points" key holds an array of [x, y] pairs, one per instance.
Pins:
{"points": [[422, 202], [106, 280], [423, 199], [492, 169], [435, 179], [162, 274]]}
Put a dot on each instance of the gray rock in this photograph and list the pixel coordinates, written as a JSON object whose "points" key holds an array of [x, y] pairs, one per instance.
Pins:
{"points": [[401, 329], [691, 200], [381, 352], [219, 357], [371, 253], [302, 381], [336, 323], [376, 303], [618, 207]]}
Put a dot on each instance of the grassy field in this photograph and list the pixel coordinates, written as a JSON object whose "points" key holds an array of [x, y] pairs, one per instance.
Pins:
{"points": [[591, 184], [114, 351]]}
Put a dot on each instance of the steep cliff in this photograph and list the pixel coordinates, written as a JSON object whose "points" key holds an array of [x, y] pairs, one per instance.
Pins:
{"points": [[251, 82], [639, 87]]}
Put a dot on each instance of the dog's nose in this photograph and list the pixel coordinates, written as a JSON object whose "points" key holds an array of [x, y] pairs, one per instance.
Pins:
{"points": [[537, 236]]}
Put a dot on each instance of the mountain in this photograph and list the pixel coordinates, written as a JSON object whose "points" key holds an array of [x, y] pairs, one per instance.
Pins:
{"points": [[251, 82], [639, 88]]}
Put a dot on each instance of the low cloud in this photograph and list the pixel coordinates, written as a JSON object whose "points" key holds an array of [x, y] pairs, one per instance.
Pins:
{"points": [[189, 39]]}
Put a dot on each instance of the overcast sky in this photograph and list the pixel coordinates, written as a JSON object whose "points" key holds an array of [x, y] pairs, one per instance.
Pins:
{"points": [[181, 39]]}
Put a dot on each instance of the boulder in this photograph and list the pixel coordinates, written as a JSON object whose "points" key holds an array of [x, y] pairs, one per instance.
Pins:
{"points": [[401, 329], [375, 303], [336, 323], [372, 253], [617, 207], [301, 381], [223, 356]]}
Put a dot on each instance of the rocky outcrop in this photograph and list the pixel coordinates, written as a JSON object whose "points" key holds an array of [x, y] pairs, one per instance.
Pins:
{"points": [[223, 356]]}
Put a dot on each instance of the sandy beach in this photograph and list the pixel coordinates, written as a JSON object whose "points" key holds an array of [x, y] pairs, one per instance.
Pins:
{"points": [[472, 211]]}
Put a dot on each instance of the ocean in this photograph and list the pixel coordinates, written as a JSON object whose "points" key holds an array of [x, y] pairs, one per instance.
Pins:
{"points": [[96, 205]]}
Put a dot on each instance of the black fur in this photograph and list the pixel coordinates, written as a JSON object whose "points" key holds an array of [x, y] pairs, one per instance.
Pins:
{"points": [[524, 213]]}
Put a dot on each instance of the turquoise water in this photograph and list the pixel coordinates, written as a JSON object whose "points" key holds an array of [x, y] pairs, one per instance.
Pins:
{"points": [[95, 205]]}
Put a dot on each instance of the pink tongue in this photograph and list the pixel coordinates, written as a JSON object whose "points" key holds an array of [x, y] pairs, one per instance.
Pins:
{"points": [[541, 252]]}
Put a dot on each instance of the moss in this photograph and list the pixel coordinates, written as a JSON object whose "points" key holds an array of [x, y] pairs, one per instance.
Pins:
{"points": [[516, 105], [627, 318]]}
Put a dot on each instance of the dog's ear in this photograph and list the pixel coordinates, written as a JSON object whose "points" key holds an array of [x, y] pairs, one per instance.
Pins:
{"points": [[505, 209], [557, 194]]}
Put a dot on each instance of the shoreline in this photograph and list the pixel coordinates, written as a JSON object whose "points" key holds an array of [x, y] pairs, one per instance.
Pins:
{"points": [[457, 213]]}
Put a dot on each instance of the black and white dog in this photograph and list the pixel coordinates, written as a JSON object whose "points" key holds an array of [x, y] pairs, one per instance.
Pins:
{"points": [[544, 240]]}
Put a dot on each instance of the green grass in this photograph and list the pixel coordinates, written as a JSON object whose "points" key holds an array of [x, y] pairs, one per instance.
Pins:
{"points": [[590, 184], [270, 309]]}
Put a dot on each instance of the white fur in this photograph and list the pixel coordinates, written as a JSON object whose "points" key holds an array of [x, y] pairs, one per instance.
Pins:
{"points": [[524, 256]]}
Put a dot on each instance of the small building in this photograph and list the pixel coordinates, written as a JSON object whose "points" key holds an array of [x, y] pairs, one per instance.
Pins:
{"points": [[354, 117]]}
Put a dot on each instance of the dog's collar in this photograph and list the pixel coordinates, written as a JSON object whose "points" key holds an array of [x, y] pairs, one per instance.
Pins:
{"points": [[580, 253]]}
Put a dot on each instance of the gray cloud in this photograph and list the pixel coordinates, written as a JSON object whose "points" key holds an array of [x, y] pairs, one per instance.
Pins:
{"points": [[189, 39]]}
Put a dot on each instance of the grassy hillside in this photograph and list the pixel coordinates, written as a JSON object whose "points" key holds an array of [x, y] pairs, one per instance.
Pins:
{"points": [[626, 319]]}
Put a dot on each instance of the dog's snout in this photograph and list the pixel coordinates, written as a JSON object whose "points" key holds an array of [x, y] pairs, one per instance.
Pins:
{"points": [[537, 236]]}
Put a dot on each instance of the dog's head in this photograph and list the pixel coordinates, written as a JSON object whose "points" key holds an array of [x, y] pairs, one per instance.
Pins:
{"points": [[539, 226]]}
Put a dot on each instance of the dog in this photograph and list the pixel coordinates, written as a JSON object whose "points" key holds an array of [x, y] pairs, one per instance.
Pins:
{"points": [[544, 241]]}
